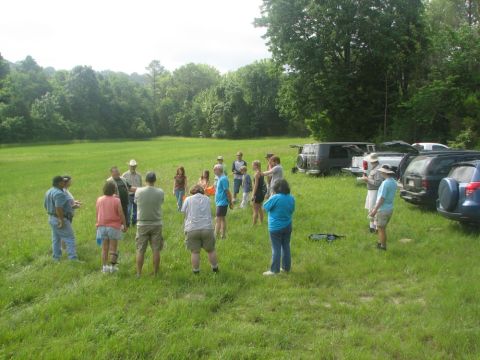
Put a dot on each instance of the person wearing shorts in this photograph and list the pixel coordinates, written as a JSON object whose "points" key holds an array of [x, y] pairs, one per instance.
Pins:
{"points": [[149, 200], [199, 229], [111, 222], [223, 200], [383, 209]]}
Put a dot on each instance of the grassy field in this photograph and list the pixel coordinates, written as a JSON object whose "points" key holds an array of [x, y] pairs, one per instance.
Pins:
{"points": [[344, 300]]}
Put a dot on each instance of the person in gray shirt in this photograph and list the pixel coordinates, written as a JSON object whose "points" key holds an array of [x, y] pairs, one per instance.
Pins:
{"points": [[276, 172], [149, 200]]}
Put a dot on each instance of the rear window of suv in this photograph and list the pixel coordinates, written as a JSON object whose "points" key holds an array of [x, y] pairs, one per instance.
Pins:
{"points": [[463, 174], [419, 165]]}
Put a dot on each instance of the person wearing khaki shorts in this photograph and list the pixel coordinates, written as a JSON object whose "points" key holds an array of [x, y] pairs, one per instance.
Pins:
{"points": [[199, 228], [149, 200]]}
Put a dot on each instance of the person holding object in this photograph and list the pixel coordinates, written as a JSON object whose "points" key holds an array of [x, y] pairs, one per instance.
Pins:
{"points": [[111, 222], [60, 214], [259, 192], [246, 186], [223, 200], [383, 209], [199, 229], [149, 200], [268, 156], [373, 181], [280, 207], [237, 174], [135, 180]]}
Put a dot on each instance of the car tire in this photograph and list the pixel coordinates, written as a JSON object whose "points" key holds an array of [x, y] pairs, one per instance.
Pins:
{"points": [[448, 193], [301, 162]]}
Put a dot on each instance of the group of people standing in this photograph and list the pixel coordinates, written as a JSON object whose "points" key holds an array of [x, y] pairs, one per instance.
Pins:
{"points": [[127, 201]]}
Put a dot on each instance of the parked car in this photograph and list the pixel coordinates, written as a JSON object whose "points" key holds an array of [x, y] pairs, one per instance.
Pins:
{"points": [[430, 146], [390, 153], [459, 193], [321, 158], [422, 176]]}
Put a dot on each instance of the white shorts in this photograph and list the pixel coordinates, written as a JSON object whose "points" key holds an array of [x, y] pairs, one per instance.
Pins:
{"points": [[109, 233]]}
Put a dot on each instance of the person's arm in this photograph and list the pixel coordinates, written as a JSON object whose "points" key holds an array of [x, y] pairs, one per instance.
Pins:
{"points": [[268, 172], [174, 181], [379, 203], [268, 205], [122, 216], [186, 185], [60, 215], [229, 197]]}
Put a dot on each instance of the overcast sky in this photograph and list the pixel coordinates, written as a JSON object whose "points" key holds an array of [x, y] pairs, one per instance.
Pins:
{"points": [[122, 35]]}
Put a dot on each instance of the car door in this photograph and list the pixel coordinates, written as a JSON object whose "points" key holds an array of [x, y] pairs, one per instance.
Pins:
{"points": [[339, 157]]}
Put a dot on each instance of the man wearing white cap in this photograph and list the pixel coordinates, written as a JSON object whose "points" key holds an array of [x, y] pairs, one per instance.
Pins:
{"points": [[373, 180], [135, 180]]}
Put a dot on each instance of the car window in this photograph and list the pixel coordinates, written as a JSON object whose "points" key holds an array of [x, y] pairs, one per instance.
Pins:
{"points": [[463, 174], [307, 149], [442, 166], [438, 147], [338, 152], [419, 165]]}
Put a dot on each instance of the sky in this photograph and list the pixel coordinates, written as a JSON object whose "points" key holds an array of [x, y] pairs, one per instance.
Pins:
{"points": [[126, 36]]}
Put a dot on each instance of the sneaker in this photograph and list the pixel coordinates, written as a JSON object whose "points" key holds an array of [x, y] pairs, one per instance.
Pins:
{"points": [[215, 269], [284, 271], [269, 273], [381, 247], [105, 269], [113, 268]]}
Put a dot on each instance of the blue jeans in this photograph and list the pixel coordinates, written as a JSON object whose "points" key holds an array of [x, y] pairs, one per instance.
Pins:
{"points": [[179, 193], [66, 234], [132, 210], [280, 240]]}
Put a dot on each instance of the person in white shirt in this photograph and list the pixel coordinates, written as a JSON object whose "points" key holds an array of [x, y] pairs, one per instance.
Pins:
{"points": [[199, 232]]}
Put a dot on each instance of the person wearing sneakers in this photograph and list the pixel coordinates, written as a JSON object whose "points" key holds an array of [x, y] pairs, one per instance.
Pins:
{"points": [[135, 180], [383, 209], [149, 200], [110, 224], [280, 207], [237, 174], [198, 228], [373, 181]]}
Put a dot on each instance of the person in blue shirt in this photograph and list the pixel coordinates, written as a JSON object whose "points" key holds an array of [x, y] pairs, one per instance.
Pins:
{"points": [[60, 214], [223, 200], [383, 209], [280, 208]]}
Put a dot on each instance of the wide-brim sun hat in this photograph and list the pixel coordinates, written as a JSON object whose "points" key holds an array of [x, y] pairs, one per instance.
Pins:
{"points": [[219, 157], [386, 169], [373, 157]]}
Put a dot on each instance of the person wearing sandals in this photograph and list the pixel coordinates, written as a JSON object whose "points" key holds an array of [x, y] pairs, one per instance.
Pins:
{"points": [[373, 181], [383, 209], [111, 222], [198, 228], [259, 192], [280, 207]]}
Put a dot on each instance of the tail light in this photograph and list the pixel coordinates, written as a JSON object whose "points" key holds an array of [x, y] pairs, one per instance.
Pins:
{"points": [[365, 165], [471, 188], [425, 184]]}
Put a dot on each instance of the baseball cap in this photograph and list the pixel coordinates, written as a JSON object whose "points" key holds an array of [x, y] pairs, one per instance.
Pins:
{"points": [[132, 163]]}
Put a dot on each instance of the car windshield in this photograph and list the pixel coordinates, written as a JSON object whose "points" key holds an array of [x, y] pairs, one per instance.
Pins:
{"points": [[463, 174], [419, 165]]}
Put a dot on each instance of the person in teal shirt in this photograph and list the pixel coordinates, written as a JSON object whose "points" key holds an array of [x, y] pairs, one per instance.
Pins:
{"points": [[280, 208], [383, 209], [223, 200]]}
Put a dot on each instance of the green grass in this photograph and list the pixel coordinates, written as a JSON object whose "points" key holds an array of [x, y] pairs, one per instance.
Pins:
{"points": [[343, 300]]}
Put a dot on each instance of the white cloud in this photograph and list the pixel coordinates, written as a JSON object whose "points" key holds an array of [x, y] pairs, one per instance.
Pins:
{"points": [[126, 35]]}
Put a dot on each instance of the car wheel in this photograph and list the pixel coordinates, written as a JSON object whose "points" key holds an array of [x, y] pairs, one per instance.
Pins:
{"points": [[448, 193]]}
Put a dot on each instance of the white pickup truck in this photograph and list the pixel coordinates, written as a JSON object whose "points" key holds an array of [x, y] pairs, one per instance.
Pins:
{"points": [[390, 153]]}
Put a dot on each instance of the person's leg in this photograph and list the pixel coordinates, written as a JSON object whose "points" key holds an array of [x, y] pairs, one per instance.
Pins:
{"points": [[134, 213], [212, 258], [217, 226], [56, 247], [125, 212], [275, 239], [66, 233], [286, 255], [130, 208], [223, 227], [141, 244], [255, 213], [105, 247], [382, 236], [113, 245], [140, 260], [195, 258], [156, 261], [156, 241], [260, 213]]}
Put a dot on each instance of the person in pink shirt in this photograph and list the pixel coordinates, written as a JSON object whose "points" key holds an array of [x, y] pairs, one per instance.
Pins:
{"points": [[111, 222]]}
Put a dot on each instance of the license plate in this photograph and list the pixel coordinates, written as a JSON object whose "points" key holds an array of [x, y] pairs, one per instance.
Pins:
{"points": [[411, 183]]}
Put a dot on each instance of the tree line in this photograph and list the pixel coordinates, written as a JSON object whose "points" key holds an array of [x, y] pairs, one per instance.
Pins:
{"points": [[340, 70]]}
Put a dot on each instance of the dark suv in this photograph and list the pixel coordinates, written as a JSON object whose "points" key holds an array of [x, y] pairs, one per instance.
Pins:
{"points": [[422, 176], [321, 158], [459, 193]]}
